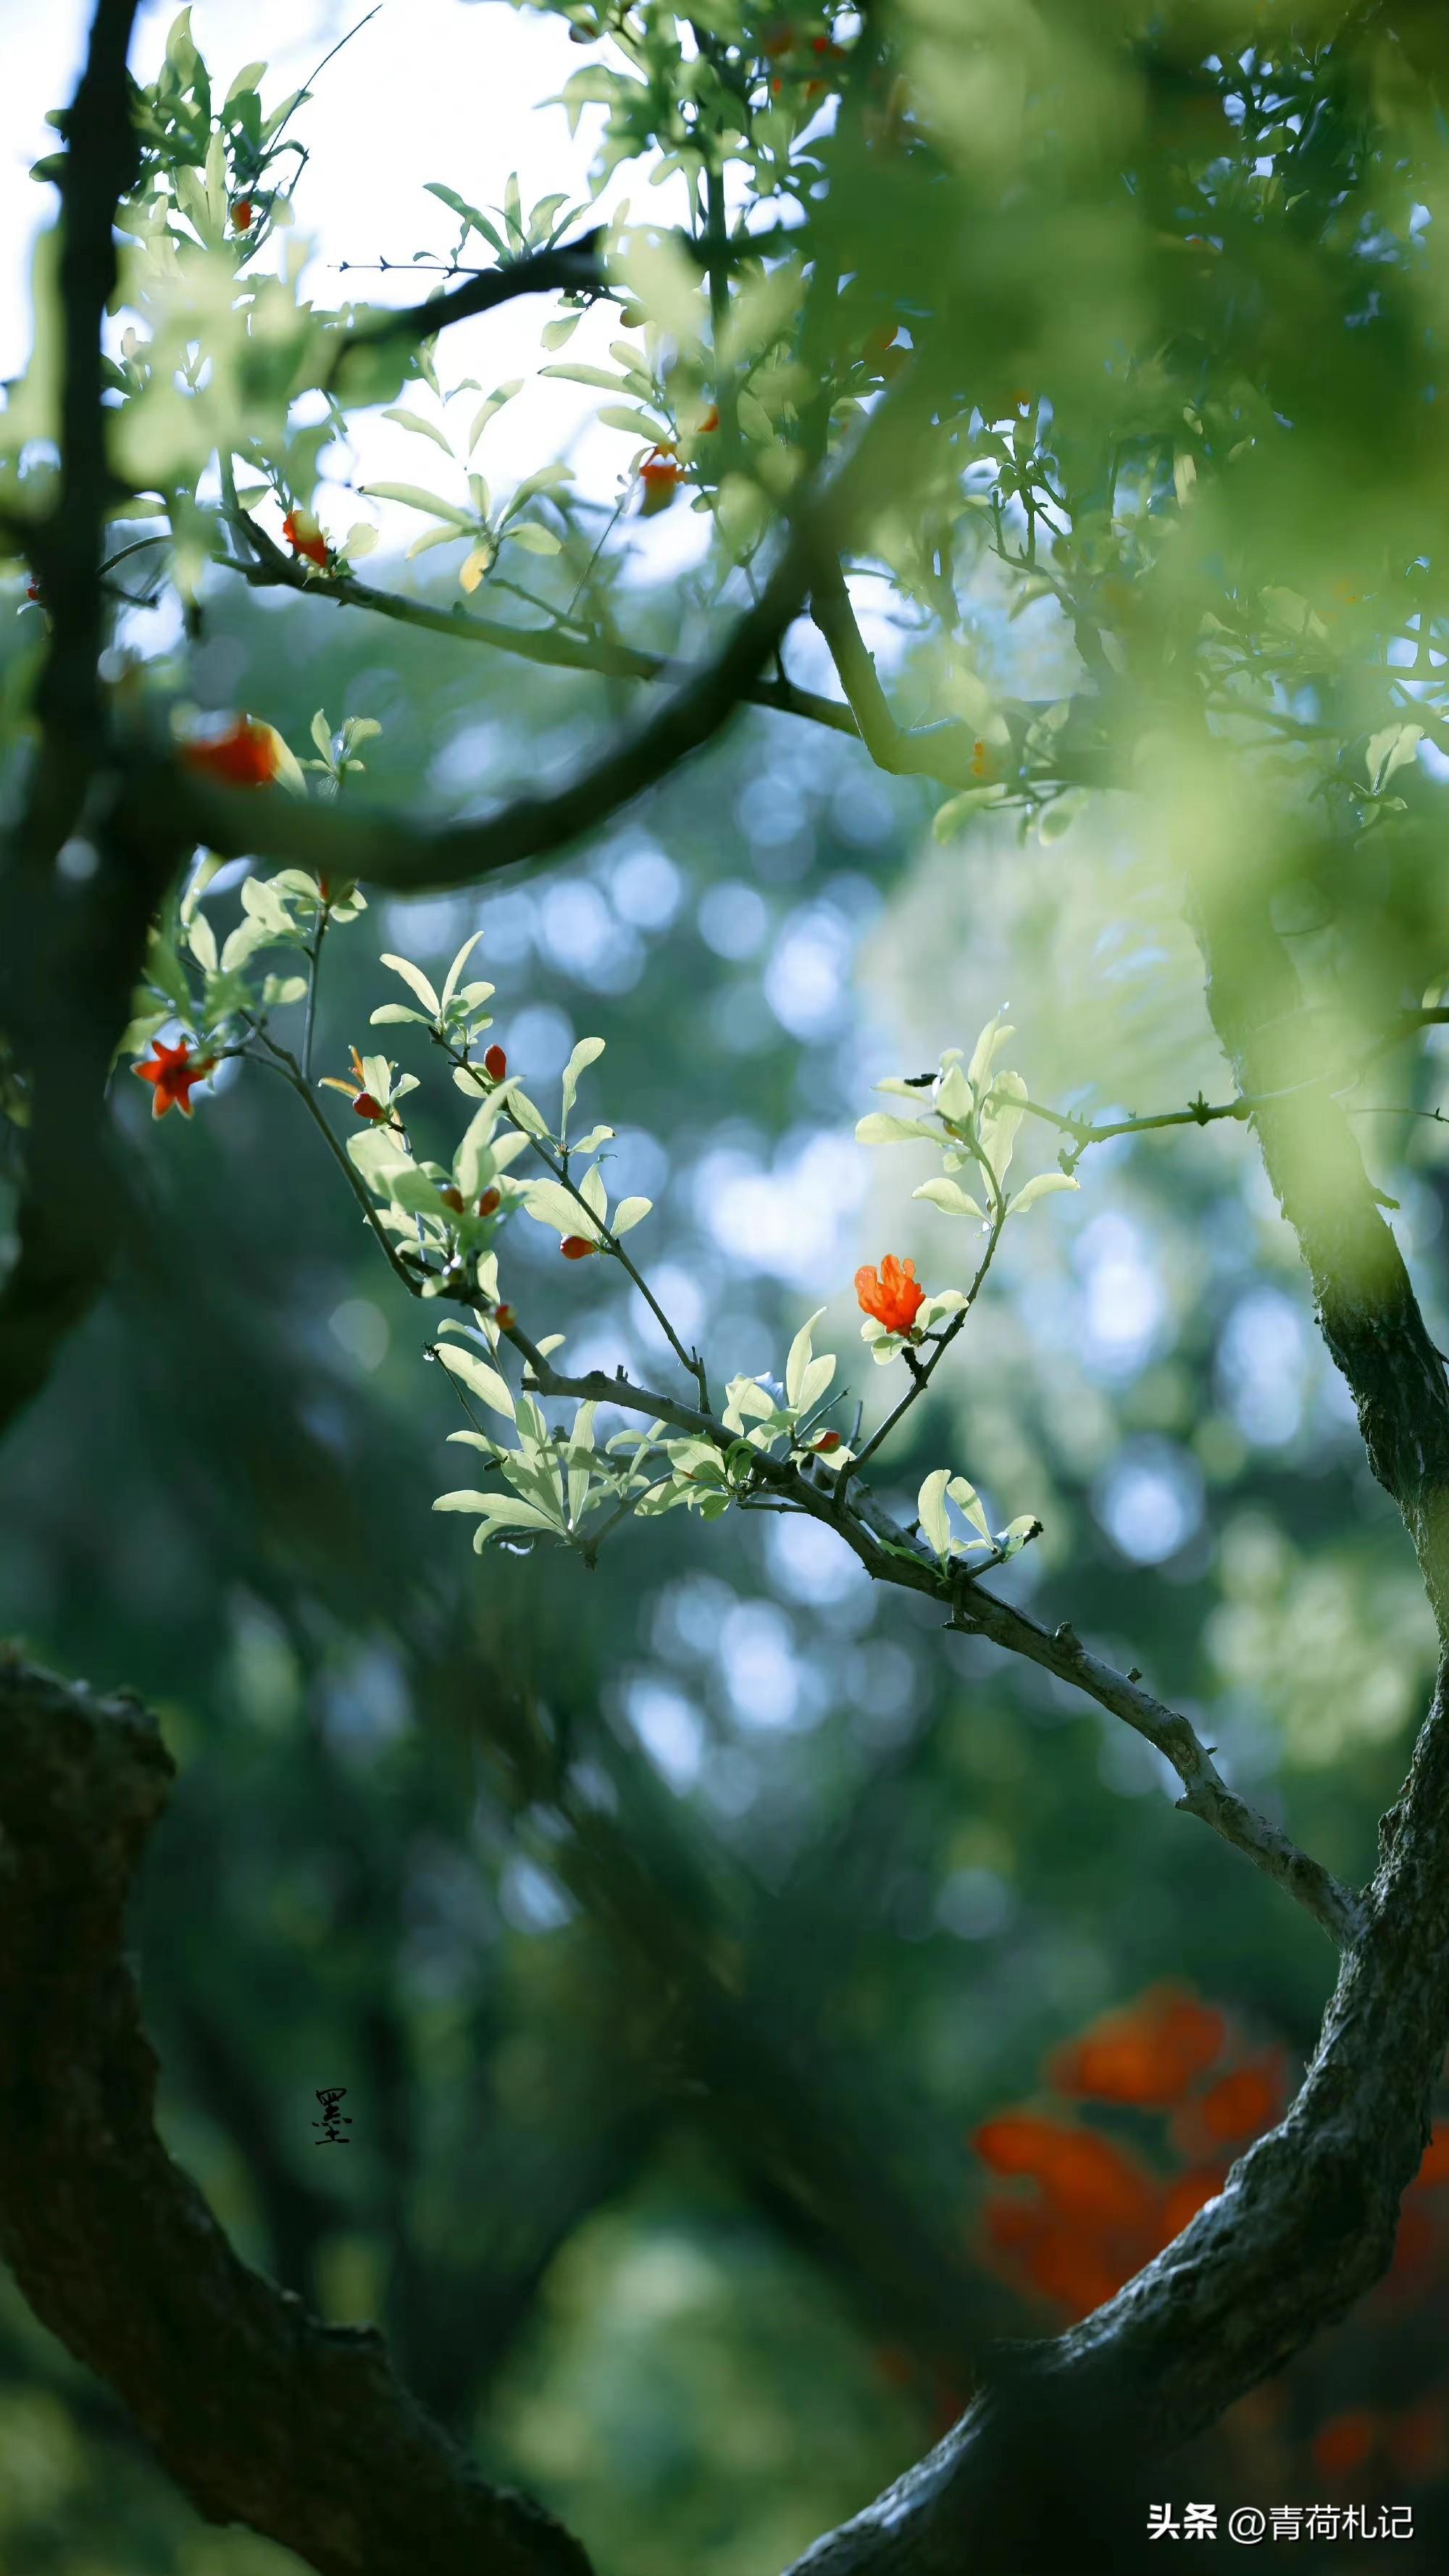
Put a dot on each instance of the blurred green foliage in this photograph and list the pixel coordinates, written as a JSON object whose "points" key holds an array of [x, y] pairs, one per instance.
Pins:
{"points": [[671, 1927], [908, 1870]]}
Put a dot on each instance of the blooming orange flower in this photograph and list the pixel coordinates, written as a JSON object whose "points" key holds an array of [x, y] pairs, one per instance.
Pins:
{"points": [[893, 1297], [363, 1103], [659, 475], [245, 757], [1149, 2055], [175, 1071], [304, 536]]}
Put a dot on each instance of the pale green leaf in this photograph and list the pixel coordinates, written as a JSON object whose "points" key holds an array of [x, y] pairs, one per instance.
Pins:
{"points": [[413, 496], [931, 1512], [1040, 1188], [422, 428], [416, 982], [483, 1381], [534, 539], [587, 1052], [949, 1197]]}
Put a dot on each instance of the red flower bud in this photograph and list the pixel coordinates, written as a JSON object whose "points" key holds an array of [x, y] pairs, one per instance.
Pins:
{"points": [[577, 1247], [241, 215], [505, 1317], [324, 888], [366, 1107], [827, 1441], [495, 1063], [32, 590], [710, 421], [491, 1200], [453, 1199]]}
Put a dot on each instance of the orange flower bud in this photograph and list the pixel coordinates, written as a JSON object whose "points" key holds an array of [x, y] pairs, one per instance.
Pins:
{"points": [[490, 1202], [453, 1199], [505, 1317], [495, 1063], [710, 421], [577, 1247], [241, 215], [827, 1441], [366, 1107]]}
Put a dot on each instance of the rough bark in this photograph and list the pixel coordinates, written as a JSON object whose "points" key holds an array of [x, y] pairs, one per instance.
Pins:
{"points": [[260, 2413]]}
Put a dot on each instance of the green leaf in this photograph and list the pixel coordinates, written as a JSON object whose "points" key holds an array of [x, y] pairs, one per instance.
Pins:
{"points": [[931, 1512], [416, 982], [1040, 1188], [579, 375], [949, 1197], [484, 1382], [422, 428], [638, 424], [249, 77], [468, 214], [880, 1128], [587, 1052], [533, 539], [414, 497]]}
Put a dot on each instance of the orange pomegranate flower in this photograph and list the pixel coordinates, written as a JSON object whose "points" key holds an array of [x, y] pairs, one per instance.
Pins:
{"points": [[304, 535], [175, 1071], [659, 475], [1245, 2102], [363, 1103], [893, 1296], [245, 757], [1150, 2055]]}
